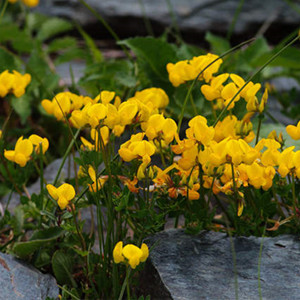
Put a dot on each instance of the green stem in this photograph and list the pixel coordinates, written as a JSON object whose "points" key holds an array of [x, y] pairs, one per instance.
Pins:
{"points": [[199, 74], [174, 21], [3, 10], [260, 117], [234, 185], [234, 20], [295, 202], [146, 19], [65, 156], [105, 24], [125, 283], [252, 76]]}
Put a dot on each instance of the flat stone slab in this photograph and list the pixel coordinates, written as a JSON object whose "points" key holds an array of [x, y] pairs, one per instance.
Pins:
{"points": [[202, 267], [20, 281], [192, 15]]}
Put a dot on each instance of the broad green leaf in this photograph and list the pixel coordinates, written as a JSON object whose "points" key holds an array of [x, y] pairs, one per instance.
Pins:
{"points": [[22, 44], [70, 54], [258, 48], [8, 31], [39, 239], [52, 27], [218, 44], [7, 61], [289, 58], [62, 44], [62, 266], [22, 106], [157, 53], [34, 21]]}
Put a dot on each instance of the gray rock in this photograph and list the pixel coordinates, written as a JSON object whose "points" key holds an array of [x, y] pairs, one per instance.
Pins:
{"points": [[193, 15], [202, 267], [20, 281]]}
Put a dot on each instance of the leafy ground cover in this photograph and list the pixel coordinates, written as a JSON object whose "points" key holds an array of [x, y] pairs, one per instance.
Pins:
{"points": [[170, 131]]}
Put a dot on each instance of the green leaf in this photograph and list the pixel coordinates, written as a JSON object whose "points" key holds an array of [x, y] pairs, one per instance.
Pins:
{"points": [[52, 27], [289, 58], [18, 220], [8, 31], [218, 44], [70, 54], [252, 53], [34, 21], [156, 52], [38, 240], [62, 266], [62, 44], [22, 106], [22, 44], [7, 61]]}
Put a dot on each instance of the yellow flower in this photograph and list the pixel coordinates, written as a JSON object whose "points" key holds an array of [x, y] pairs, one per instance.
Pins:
{"points": [[63, 194], [157, 127], [105, 97], [145, 251], [200, 131], [136, 147], [31, 3], [130, 254], [213, 91], [96, 113], [117, 253], [21, 154], [13, 83], [154, 96], [294, 131], [97, 182], [37, 141], [228, 93]]}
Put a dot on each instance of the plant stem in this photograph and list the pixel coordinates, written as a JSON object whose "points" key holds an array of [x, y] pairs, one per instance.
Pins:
{"points": [[146, 19], [3, 10], [125, 283], [234, 20], [260, 117], [9, 175], [105, 24], [65, 156]]}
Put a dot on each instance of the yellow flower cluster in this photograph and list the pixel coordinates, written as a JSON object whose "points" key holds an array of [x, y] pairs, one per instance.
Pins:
{"points": [[223, 88], [14, 83], [130, 254], [29, 3], [24, 148], [106, 114], [63, 194], [187, 70]]}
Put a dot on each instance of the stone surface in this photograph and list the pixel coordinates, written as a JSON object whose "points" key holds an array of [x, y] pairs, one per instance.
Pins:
{"points": [[193, 15], [201, 267], [20, 281]]}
